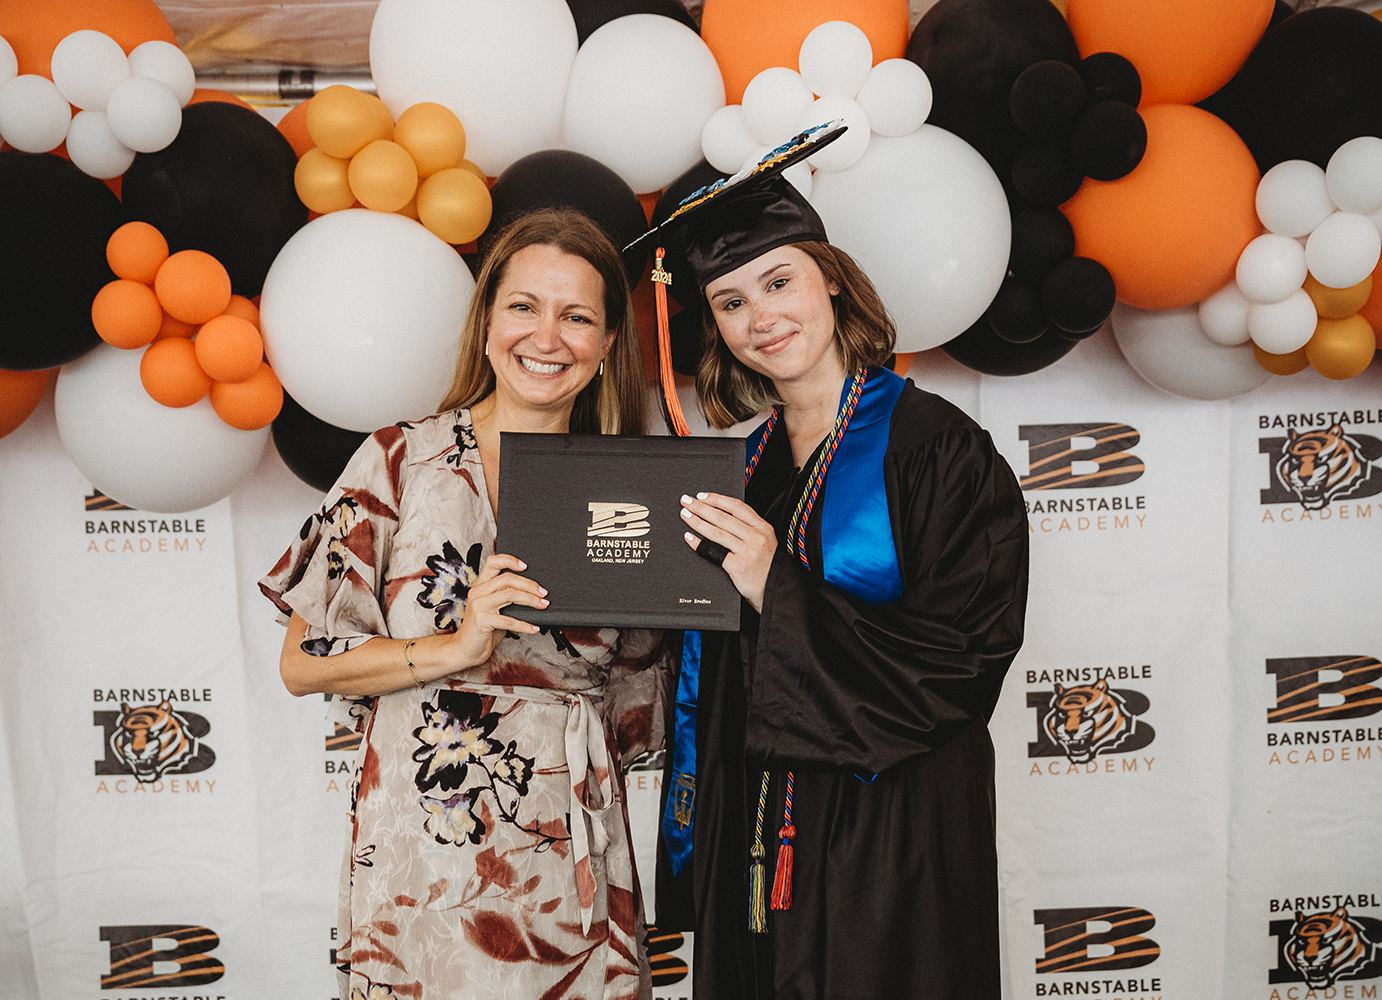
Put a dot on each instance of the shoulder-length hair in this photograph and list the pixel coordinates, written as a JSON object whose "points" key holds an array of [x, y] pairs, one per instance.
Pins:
{"points": [[729, 391], [612, 403]]}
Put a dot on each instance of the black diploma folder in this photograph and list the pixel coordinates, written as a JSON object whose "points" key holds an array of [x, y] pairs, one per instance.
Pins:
{"points": [[597, 518]]}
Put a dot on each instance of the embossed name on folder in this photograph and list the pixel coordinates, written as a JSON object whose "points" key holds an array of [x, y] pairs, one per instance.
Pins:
{"points": [[598, 521]]}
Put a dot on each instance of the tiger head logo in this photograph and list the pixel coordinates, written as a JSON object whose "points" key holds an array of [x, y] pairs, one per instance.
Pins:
{"points": [[152, 740], [1088, 720], [1324, 947], [1320, 465]]}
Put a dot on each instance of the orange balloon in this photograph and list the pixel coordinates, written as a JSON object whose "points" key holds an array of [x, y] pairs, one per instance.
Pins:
{"points": [[34, 29], [229, 348], [293, 127], [432, 135], [208, 94], [1336, 303], [1171, 231], [244, 308], [475, 169], [136, 251], [251, 404], [342, 121], [1341, 348], [170, 373], [1184, 50], [174, 327], [193, 286], [323, 182], [1281, 364], [19, 396], [748, 36], [383, 176], [382, 117], [902, 362], [455, 205], [126, 314]]}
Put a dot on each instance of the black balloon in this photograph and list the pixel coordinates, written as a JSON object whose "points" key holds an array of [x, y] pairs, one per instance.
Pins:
{"points": [[225, 186], [1043, 175], [560, 178], [1109, 141], [984, 351], [1111, 77], [55, 222], [1078, 296], [315, 451], [683, 286], [592, 14], [1015, 313], [973, 51], [1042, 238], [1046, 98], [1221, 101], [1313, 82]]}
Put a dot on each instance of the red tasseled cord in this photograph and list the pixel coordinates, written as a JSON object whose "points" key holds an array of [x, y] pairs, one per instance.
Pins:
{"points": [[782, 878]]}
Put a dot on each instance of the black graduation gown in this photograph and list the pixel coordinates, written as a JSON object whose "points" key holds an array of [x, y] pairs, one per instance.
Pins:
{"points": [[895, 880]]}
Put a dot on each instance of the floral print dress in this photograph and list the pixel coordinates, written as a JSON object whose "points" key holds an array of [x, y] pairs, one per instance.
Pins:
{"points": [[489, 853]]}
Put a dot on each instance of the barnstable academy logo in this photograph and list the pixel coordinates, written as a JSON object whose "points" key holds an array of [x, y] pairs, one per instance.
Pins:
{"points": [[1079, 456], [153, 740], [1096, 939], [617, 520], [1325, 692], [136, 951], [1326, 946], [1086, 720], [1321, 459]]}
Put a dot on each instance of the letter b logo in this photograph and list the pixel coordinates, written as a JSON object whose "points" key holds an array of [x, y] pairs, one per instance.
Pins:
{"points": [[1096, 938], [1079, 456], [135, 957], [1320, 688]]}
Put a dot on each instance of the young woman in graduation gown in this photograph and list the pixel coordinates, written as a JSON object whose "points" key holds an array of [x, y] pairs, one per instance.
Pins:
{"points": [[832, 817], [488, 855]]}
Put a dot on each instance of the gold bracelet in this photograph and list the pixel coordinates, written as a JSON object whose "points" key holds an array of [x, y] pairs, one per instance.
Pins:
{"points": [[407, 655]]}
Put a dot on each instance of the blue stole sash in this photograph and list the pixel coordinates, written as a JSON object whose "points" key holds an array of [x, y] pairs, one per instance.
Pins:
{"points": [[858, 556]]}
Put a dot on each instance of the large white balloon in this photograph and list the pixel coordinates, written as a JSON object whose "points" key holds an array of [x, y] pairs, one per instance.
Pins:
{"points": [[501, 67], [773, 104], [834, 59], [33, 116], [725, 140], [144, 455], [1285, 326], [926, 218], [1343, 250], [1354, 175], [1168, 348], [362, 314], [1224, 316], [896, 96], [94, 148], [845, 151], [1292, 198], [166, 63], [144, 114], [1270, 268], [87, 66], [648, 135]]}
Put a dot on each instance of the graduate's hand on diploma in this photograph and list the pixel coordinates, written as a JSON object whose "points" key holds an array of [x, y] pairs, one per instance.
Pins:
{"points": [[483, 626], [748, 541]]}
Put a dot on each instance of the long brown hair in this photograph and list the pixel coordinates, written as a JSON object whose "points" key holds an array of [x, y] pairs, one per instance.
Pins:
{"points": [[729, 391], [612, 403]]}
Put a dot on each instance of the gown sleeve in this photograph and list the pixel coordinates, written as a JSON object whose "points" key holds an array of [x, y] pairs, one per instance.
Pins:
{"points": [[637, 690], [837, 682]]}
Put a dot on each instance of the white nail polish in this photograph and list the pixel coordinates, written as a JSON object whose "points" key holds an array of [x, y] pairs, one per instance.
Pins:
{"points": [[685, 512], [702, 496], [689, 537], [685, 498]]}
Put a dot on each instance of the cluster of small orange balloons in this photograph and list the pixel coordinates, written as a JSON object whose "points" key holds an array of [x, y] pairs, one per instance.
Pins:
{"points": [[415, 166], [198, 337], [1344, 340]]}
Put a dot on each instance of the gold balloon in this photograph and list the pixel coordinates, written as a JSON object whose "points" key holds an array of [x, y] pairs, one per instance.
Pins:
{"points": [[474, 168], [1281, 364], [1341, 348], [323, 182], [382, 176], [409, 210], [1336, 303], [380, 116], [341, 121], [433, 135], [455, 205]]}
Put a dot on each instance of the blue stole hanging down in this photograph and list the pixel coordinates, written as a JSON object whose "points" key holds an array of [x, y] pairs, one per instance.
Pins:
{"points": [[858, 555]]}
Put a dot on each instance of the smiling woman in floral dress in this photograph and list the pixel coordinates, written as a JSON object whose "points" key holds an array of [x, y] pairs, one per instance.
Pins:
{"points": [[489, 852]]}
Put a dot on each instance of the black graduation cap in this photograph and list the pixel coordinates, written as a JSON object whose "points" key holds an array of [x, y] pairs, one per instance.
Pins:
{"points": [[731, 222]]}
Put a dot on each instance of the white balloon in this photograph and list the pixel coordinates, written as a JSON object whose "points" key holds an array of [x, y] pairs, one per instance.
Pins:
{"points": [[94, 148], [773, 104], [87, 66], [1224, 316], [1282, 327], [1354, 175], [896, 96], [166, 63], [33, 116], [9, 62], [501, 67], [846, 150], [144, 114], [1343, 250], [362, 313], [648, 135], [148, 456], [725, 140], [1292, 198], [834, 59], [926, 218], [1270, 268], [1169, 349]]}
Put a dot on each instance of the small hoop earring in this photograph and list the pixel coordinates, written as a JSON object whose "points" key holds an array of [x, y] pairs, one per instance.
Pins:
{"points": [[601, 369]]}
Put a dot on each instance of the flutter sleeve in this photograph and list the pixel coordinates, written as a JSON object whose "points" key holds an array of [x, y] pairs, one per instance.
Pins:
{"points": [[838, 682], [332, 575], [637, 690]]}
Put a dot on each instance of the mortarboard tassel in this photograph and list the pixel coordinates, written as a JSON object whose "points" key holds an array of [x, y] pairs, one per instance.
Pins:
{"points": [[666, 377]]}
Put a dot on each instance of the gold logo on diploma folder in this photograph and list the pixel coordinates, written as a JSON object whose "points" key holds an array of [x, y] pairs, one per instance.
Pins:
{"points": [[617, 520]]}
